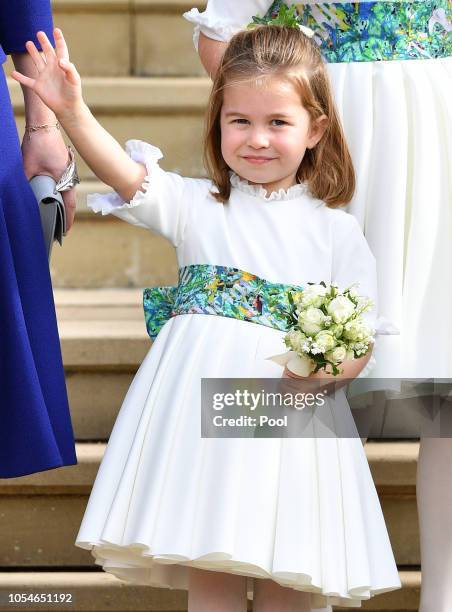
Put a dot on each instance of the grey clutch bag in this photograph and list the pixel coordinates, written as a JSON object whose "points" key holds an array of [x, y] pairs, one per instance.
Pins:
{"points": [[51, 209]]}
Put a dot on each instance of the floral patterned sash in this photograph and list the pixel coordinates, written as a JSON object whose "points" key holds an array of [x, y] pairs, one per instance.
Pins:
{"points": [[219, 290], [372, 31]]}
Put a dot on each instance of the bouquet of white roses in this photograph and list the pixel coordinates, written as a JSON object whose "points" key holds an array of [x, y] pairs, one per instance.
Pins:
{"points": [[326, 328]]}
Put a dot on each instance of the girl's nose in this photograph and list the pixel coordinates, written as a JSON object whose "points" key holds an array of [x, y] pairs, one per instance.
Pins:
{"points": [[258, 139]]}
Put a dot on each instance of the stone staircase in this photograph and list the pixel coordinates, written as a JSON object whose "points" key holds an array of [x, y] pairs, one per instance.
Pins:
{"points": [[143, 80]]}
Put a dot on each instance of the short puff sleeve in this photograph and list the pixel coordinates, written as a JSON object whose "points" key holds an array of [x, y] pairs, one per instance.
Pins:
{"points": [[223, 18], [160, 205]]}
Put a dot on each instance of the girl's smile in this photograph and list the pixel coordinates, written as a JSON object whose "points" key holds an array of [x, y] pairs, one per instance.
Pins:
{"points": [[258, 160]]}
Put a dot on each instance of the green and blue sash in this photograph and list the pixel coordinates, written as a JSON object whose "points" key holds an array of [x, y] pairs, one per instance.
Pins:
{"points": [[219, 290], [376, 31]]}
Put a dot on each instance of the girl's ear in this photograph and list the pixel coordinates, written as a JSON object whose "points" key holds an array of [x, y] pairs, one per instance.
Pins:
{"points": [[317, 130]]}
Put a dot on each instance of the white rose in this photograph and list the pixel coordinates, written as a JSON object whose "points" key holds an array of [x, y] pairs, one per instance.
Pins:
{"points": [[357, 330], [325, 341], [336, 330], [337, 355], [313, 295], [295, 340], [341, 309], [311, 320]]}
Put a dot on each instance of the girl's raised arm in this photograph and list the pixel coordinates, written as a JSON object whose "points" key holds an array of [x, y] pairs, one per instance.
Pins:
{"points": [[58, 85]]}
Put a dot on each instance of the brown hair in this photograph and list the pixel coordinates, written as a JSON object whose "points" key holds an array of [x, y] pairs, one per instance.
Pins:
{"points": [[285, 52]]}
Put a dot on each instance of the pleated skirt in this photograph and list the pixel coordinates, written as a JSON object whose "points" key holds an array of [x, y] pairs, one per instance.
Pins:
{"points": [[303, 511], [397, 117]]}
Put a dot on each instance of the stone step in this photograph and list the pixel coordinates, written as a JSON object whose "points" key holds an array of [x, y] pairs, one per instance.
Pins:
{"points": [[104, 340], [129, 37], [43, 511], [104, 252], [108, 335], [167, 112], [99, 592]]}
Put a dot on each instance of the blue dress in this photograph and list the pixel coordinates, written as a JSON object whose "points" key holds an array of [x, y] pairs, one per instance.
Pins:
{"points": [[35, 426]]}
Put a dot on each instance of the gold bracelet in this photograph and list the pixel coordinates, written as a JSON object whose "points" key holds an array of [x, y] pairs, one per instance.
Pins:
{"points": [[34, 128]]}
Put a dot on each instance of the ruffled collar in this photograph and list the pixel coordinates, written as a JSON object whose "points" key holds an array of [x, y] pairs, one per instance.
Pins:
{"points": [[296, 191]]}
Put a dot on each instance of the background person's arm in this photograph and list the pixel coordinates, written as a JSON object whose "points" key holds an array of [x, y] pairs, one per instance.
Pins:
{"points": [[210, 53], [214, 27]]}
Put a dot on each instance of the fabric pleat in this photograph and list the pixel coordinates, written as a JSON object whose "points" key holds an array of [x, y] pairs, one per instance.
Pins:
{"points": [[296, 510], [398, 122]]}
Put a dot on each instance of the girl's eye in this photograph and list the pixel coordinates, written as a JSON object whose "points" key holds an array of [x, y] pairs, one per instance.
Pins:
{"points": [[241, 121], [278, 122]]}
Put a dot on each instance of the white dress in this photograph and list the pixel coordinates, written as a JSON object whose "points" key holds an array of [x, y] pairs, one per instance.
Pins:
{"points": [[303, 512], [397, 117]]}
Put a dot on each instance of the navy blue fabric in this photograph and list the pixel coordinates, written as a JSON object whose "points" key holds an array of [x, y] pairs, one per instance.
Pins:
{"points": [[35, 426], [19, 22]]}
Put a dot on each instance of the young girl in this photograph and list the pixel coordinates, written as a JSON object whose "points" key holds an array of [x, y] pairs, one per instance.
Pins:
{"points": [[390, 65], [293, 523]]}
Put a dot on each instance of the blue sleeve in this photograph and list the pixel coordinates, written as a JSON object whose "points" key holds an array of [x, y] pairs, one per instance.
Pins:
{"points": [[20, 20]]}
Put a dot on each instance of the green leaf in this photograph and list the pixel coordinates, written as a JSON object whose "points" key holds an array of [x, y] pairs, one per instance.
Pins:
{"points": [[286, 17]]}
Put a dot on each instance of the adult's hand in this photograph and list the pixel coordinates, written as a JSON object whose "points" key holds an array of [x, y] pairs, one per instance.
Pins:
{"points": [[45, 153]]}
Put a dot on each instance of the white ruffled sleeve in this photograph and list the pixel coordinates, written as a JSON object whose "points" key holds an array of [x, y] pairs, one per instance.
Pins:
{"points": [[353, 262], [160, 205], [223, 18]]}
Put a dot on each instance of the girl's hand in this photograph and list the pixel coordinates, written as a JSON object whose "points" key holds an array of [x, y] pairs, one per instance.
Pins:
{"points": [[350, 370], [291, 384], [58, 83]]}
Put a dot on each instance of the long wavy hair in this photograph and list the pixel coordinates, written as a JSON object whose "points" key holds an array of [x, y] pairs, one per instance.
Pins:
{"points": [[283, 52]]}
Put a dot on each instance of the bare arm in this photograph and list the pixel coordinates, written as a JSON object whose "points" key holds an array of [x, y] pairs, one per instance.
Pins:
{"points": [[210, 52], [45, 151], [102, 153], [58, 86]]}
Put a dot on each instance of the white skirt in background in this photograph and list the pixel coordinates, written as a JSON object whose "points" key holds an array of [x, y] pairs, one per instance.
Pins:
{"points": [[397, 117]]}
